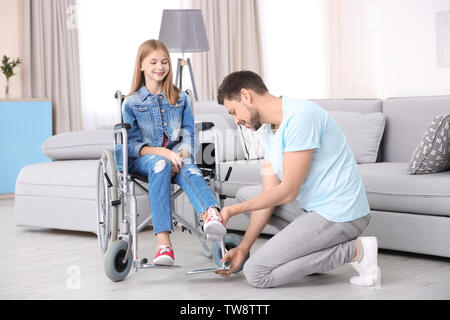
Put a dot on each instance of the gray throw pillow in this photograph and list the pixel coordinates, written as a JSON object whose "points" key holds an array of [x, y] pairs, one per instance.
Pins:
{"points": [[363, 133], [78, 145], [432, 154]]}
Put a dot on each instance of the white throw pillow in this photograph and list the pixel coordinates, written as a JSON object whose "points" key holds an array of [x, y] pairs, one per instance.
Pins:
{"points": [[252, 142], [363, 133], [78, 145]]}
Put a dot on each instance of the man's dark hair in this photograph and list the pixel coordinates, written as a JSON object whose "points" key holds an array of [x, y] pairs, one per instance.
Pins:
{"points": [[232, 84]]}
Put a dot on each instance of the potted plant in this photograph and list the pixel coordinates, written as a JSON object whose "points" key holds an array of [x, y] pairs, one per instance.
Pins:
{"points": [[8, 70]]}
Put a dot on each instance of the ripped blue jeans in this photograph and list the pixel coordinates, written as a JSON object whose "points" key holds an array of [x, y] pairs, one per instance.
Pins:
{"points": [[159, 171]]}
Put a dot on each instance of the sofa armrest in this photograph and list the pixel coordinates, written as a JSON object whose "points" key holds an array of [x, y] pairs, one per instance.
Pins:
{"points": [[78, 145]]}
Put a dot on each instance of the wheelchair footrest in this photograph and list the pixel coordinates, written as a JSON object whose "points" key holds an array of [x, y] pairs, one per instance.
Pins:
{"points": [[224, 267], [157, 266]]}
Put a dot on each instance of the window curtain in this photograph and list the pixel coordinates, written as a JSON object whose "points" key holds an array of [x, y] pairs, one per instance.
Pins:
{"points": [[386, 48], [233, 32], [354, 39], [51, 59]]}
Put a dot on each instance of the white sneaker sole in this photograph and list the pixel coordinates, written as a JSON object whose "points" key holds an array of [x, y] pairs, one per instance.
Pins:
{"points": [[371, 280], [163, 261], [215, 229]]}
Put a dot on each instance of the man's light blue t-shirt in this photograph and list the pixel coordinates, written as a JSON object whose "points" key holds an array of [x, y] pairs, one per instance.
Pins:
{"points": [[333, 187]]}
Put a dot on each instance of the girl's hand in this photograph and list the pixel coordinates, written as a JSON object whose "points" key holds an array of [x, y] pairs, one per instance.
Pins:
{"points": [[175, 159], [184, 154]]}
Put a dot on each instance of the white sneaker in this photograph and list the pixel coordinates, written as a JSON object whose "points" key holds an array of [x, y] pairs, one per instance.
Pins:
{"points": [[369, 272], [214, 228]]}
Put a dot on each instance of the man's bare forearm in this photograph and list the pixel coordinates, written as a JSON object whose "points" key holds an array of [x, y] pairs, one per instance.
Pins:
{"points": [[271, 198], [258, 220]]}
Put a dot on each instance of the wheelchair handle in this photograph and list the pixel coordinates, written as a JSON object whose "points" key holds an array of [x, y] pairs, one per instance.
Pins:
{"points": [[118, 96], [207, 125], [203, 126]]}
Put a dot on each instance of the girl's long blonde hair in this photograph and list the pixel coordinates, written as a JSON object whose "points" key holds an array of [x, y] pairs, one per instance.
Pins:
{"points": [[170, 90]]}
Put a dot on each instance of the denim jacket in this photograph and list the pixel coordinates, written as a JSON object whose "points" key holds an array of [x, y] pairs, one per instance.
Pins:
{"points": [[152, 115]]}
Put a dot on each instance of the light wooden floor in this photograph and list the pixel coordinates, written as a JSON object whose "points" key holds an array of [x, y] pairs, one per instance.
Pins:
{"points": [[41, 264]]}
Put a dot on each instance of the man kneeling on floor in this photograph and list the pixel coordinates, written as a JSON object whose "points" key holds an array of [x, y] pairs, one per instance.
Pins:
{"points": [[310, 180]]}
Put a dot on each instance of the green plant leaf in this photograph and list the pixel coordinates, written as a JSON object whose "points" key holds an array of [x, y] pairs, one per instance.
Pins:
{"points": [[8, 66]]}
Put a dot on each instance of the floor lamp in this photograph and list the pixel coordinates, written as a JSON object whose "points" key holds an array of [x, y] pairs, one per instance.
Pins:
{"points": [[184, 31]]}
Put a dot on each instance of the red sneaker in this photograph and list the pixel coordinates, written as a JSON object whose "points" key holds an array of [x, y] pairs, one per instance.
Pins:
{"points": [[214, 227], [164, 256]]}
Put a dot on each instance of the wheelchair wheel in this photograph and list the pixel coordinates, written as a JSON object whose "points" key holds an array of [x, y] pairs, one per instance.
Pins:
{"points": [[115, 269], [207, 247], [106, 213], [231, 241]]}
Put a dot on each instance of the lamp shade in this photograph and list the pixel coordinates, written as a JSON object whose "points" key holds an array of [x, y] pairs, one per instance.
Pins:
{"points": [[183, 30]]}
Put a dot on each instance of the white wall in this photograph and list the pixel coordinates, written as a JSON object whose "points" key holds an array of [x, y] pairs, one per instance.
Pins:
{"points": [[293, 45], [352, 48], [408, 55], [388, 49], [11, 44]]}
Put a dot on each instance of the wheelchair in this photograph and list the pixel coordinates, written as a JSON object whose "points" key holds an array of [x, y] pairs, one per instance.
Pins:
{"points": [[117, 214]]}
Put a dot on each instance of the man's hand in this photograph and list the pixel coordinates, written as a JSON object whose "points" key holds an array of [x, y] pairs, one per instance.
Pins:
{"points": [[235, 257]]}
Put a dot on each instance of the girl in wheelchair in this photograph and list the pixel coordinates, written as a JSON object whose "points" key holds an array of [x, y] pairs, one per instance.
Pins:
{"points": [[161, 146]]}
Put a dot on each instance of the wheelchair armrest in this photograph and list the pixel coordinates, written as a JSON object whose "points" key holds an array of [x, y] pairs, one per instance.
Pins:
{"points": [[203, 126], [122, 125]]}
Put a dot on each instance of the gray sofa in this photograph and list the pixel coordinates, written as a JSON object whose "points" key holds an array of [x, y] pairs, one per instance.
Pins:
{"points": [[409, 212]]}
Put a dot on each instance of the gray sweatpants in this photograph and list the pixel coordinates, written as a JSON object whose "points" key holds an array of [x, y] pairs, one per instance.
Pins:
{"points": [[307, 243]]}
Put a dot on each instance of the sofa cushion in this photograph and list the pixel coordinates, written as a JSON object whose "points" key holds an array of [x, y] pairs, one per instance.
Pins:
{"points": [[390, 188], [406, 121], [363, 133], [78, 144], [244, 173], [433, 152]]}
